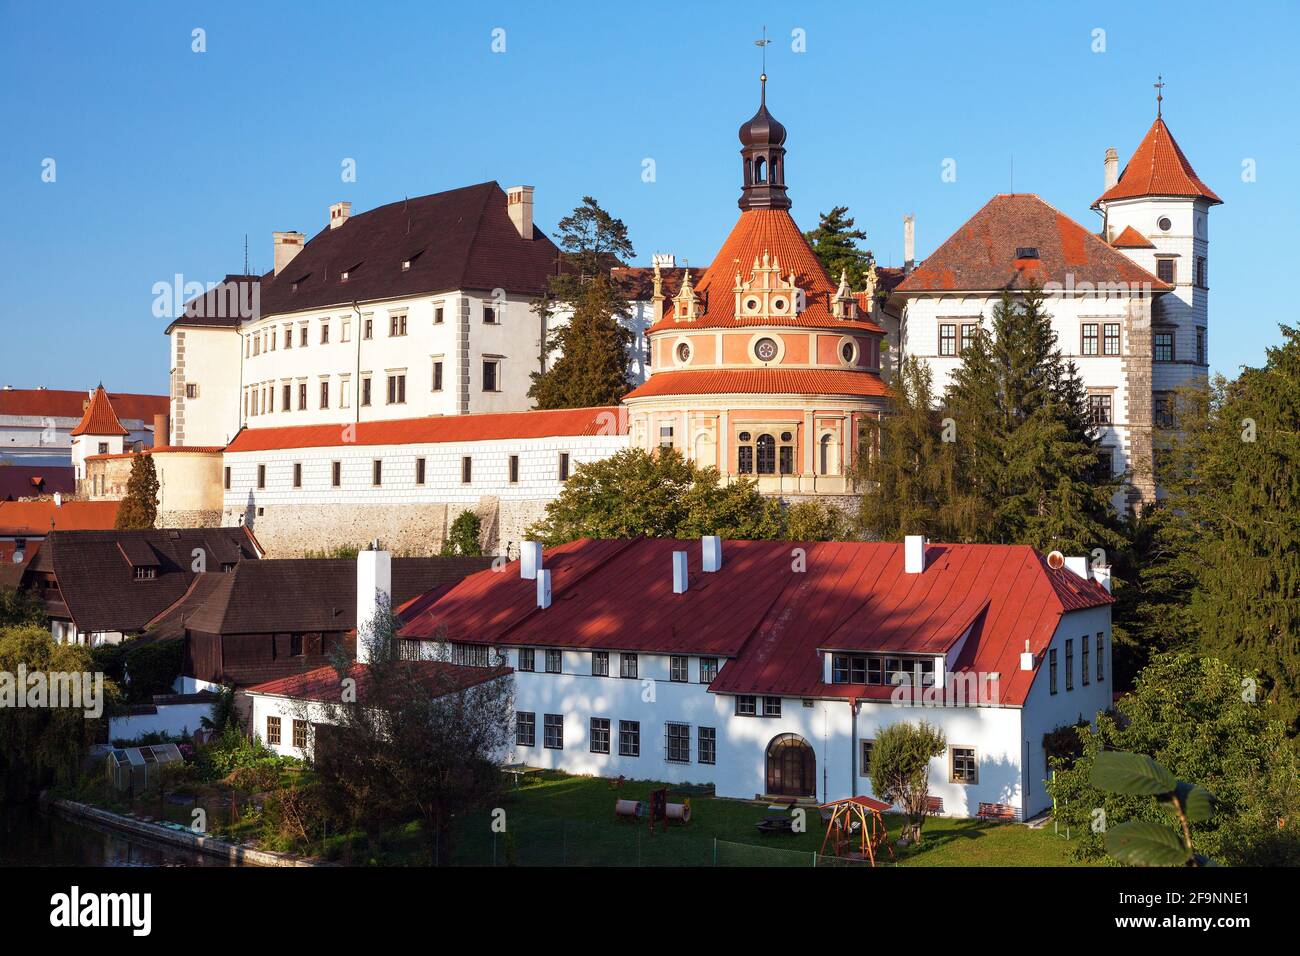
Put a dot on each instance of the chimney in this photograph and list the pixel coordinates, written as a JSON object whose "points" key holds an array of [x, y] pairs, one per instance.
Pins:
{"points": [[1112, 167], [1027, 659], [519, 204], [58, 503], [1101, 575], [543, 588], [712, 553], [374, 593], [339, 213], [1079, 566], [909, 243], [681, 580], [161, 433], [914, 553], [664, 260], [530, 559], [287, 245]]}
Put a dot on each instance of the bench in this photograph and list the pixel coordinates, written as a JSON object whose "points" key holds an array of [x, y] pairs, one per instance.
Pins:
{"points": [[998, 811], [934, 806]]}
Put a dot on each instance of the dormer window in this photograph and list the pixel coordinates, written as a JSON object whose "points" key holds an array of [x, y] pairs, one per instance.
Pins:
{"points": [[1026, 252]]}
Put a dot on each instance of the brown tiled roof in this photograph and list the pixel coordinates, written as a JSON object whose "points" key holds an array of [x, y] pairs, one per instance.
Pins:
{"points": [[98, 585], [71, 403], [1158, 168], [637, 282], [299, 594], [100, 419], [459, 239], [28, 481], [323, 682], [223, 306], [984, 255]]}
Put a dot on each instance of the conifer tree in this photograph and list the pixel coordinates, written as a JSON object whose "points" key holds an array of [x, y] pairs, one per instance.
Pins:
{"points": [[835, 243], [139, 509]]}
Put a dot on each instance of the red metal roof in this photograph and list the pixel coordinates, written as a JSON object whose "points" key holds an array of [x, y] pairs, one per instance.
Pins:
{"points": [[1158, 168], [761, 381], [449, 428], [323, 682], [41, 517], [768, 617], [100, 419], [984, 254], [63, 403]]}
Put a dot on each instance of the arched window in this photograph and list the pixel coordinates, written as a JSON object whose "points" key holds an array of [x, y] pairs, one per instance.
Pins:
{"points": [[760, 170], [825, 448], [766, 454]]}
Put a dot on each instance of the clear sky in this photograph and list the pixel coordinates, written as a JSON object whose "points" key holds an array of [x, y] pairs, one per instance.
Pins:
{"points": [[165, 158]]}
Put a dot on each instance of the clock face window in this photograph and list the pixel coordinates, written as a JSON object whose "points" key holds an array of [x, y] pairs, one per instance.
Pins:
{"points": [[765, 349], [683, 352]]}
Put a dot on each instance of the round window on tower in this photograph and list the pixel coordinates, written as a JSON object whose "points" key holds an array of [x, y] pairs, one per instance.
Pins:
{"points": [[683, 352], [848, 352], [1164, 223], [744, 436], [766, 349], [751, 304], [778, 304], [787, 436]]}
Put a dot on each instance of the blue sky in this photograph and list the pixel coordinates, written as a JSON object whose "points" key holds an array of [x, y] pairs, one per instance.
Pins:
{"points": [[165, 157]]}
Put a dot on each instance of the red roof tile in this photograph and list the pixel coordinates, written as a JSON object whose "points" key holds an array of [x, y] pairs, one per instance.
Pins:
{"points": [[41, 517], [66, 403], [163, 450], [100, 419], [323, 682], [450, 428], [761, 381], [1130, 238], [1158, 168], [984, 254]]}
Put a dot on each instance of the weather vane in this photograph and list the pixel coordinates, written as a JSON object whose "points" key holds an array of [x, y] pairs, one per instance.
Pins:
{"points": [[762, 45], [1159, 85]]}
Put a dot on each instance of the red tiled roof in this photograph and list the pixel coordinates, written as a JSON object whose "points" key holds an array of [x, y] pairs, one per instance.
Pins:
{"points": [[770, 620], [28, 481], [323, 682], [756, 232], [1158, 168], [163, 450], [761, 381], [41, 517], [100, 419], [1130, 238], [500, 426], [68, 403], [982, 256]]}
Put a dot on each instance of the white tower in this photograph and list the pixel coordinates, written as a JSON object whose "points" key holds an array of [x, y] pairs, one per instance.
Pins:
{"points": [[98, 433]]}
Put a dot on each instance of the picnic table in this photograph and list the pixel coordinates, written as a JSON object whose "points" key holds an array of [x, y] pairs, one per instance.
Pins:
{"points": [[520, 771]]}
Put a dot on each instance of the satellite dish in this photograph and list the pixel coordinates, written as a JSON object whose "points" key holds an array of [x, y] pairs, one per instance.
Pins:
{"points": [[18, 557], [1056, 560]]}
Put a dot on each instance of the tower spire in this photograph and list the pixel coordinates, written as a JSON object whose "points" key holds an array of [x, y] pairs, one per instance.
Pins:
{"points": [[762, 141], [1160, 86]]}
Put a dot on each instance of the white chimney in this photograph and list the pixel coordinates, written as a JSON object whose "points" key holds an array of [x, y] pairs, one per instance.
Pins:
{"points": [[712, 553], [914, 553], [1027, 659], [519, 204], [1112, 167], [909, 242], [1101, 575], [1079, 566], [681, 580], [339, 213], [543, 588], [58, 499], [287, 245], [530, 559], [374, 593]]}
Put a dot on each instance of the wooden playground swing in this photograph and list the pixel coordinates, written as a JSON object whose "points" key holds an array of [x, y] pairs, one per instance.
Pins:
{"points": [[862, 814]]}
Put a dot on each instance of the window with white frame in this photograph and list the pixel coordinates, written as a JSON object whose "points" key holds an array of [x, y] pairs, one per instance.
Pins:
{"points": [[963, 765], [677, 742]]}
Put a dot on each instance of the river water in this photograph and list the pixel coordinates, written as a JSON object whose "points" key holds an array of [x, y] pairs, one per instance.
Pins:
{"points": [[30, 836]]}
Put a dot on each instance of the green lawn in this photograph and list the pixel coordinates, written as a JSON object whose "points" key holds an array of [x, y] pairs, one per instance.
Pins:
{"points": [[559, 820]]}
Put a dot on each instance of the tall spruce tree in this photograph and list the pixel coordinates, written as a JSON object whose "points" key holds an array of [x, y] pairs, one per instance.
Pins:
{"points": [[139, 509], [835, 243]]}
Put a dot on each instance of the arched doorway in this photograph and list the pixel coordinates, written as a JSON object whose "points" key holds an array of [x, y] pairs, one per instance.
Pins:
{"points": [[791, 767]]}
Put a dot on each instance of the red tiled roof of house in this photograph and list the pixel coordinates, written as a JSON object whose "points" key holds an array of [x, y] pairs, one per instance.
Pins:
{"points": [[756, 232], [768, 617], [1130, 238], [323, 682], [41, 517], [1158, 168], [984, 255], [70, 403], [28, 481], [162, 450], [500, 426], [761, 381], [100, 419]]}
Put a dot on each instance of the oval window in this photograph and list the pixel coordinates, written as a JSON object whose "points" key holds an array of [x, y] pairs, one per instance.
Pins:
{"points": [[751, 305], [787, 436], [765, 349], [778, 305], [683, 352], [1164, 223], [847, 352], [743, 436]]}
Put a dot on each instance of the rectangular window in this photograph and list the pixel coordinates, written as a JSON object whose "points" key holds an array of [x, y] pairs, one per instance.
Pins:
{"points": [[553, 731], [489, 315], [600, 735], [629, 738], [1051, 670], [964, 766], [665, 436], [1165, 270], [377, 472], [1084, 661], [1164, 347], [564, 466], [419, 471], [466, 470], [678, 668], [368, 328], [1105, 468], [1069, 663], [490, 376], [865, 747], [627, 665], [302, 396], [336, 473], [947, 339], [746, 705], [745, 459], [708, 745], [437, 376], [273, 731], [286, 397], [302, 335], [295, 645], [708, 670], [346, 335], [471, 655], [226, 477], [786, 458], [297, 474], [600, 663], [967, 335], [1101, 657], [397, 389], [261, 476], [1110, 344], [1200, 347], [678, 742], [1099, 409], [527, 659], [553, 661], [1162, 410], [514, 469], [771, 706], [324, 394], [1089, 346], [300, 734], [1202, 277], [525, 729], [191, 390], [324, 333], [288, 336], [437, 315], [365, 390], [397, 324]]}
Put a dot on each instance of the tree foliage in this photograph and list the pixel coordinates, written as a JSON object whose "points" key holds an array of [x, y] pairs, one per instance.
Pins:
{"points": [[139, 509], [20, 607], [835, 242], [900, 769], [463, 536]]}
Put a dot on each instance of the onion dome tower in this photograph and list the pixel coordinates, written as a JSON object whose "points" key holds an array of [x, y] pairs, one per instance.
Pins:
{"points": [[762, 152]]}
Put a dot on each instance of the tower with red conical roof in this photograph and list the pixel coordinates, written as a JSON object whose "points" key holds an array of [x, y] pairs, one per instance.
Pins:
{"points": [[98, 433]]}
